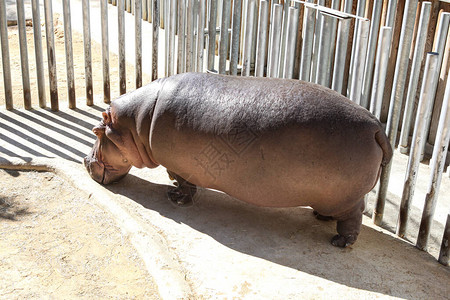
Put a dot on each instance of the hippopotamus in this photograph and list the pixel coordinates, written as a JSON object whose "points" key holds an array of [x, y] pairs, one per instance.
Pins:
{"points": [[266, 141]]}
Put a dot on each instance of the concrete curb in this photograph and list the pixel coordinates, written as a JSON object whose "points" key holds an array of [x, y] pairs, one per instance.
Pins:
{"points": [[161, 263]]}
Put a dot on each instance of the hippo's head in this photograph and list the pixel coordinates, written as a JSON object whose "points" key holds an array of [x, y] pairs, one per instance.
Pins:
{"points": [[106, 163]]}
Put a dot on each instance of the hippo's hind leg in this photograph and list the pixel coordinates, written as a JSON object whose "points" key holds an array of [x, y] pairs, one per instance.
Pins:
{"points": [[348, 226], [183, 194]]}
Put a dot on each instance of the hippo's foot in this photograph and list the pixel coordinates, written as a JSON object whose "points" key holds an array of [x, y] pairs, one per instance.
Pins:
{"points": [[177, 197], [184, 192], [348, 226], [343, 241], [322, 217]]}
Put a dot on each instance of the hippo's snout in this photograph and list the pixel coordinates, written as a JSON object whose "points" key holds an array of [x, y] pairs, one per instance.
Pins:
{"points": [[94, 168]]}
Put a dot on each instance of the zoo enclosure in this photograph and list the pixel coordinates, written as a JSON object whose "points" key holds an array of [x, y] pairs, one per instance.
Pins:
{"points": [[371, 51]]}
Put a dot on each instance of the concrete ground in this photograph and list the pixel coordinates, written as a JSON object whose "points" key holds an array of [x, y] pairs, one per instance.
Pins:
{"points": [[222, 248]]}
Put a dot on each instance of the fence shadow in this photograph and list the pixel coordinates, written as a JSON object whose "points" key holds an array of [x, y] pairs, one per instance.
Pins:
{"points": [[43, 133], [295, 239]]}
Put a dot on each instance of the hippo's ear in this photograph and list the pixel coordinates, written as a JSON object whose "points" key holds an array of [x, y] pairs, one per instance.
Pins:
{"points": [[99, 130], [106, 117]]}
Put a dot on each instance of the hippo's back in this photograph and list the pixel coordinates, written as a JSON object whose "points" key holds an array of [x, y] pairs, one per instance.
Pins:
{"points": [[270, 142], [201, 100]]}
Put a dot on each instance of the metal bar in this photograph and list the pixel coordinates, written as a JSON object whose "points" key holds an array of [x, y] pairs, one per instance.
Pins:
{"points": [[359, 60], [444, 253], [396, 100], [275, 37], [284, 29], [121, 30], [371, 49], [335, 4], [261, 44], [323, 52], [212, 34], [23, 54], [307, 43], [235, 35], [360, 9], [5, 57], [38, 52], [269, 40], [248, 38], [105, 52], [201, 35], [291, 41], [181, 60], [170, 28], [190, 37], [87, 52], [341, 49], [224, 48], [254, 33], [69, 54], [439, 47], [155, 38], [390, 16], [317, 31], [415, 72], [437, 168], [138, 41], [419, 134], [381, 66]]}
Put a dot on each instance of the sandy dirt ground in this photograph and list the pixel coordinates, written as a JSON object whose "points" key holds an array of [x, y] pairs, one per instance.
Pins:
{"points": [[56, 243], [78, 56]]}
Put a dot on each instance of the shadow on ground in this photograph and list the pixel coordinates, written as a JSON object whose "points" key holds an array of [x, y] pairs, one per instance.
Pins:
{"points": [[44, 133], [295, 239]]}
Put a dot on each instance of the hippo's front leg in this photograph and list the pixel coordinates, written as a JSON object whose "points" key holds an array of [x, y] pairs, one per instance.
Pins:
{"points": [[348, 226], [183, 194]]}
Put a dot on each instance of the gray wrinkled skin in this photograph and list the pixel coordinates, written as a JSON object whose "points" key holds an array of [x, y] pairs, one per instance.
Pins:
{"points": [[269, 142]]}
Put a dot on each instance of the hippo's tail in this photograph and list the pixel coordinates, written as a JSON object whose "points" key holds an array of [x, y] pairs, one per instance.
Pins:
{"points": [[385, 145]]}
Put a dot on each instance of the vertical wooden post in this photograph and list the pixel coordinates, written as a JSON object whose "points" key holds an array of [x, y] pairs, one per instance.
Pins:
{"points": [[155, 38], [87, 52], [69, 54], [138, 42], [38, 52], [105, 52], [122, 64], [5, 57], [23, 54], [51, 56]]}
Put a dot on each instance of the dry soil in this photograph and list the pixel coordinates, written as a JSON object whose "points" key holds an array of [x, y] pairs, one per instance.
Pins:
{"points": [[55, 243]]}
